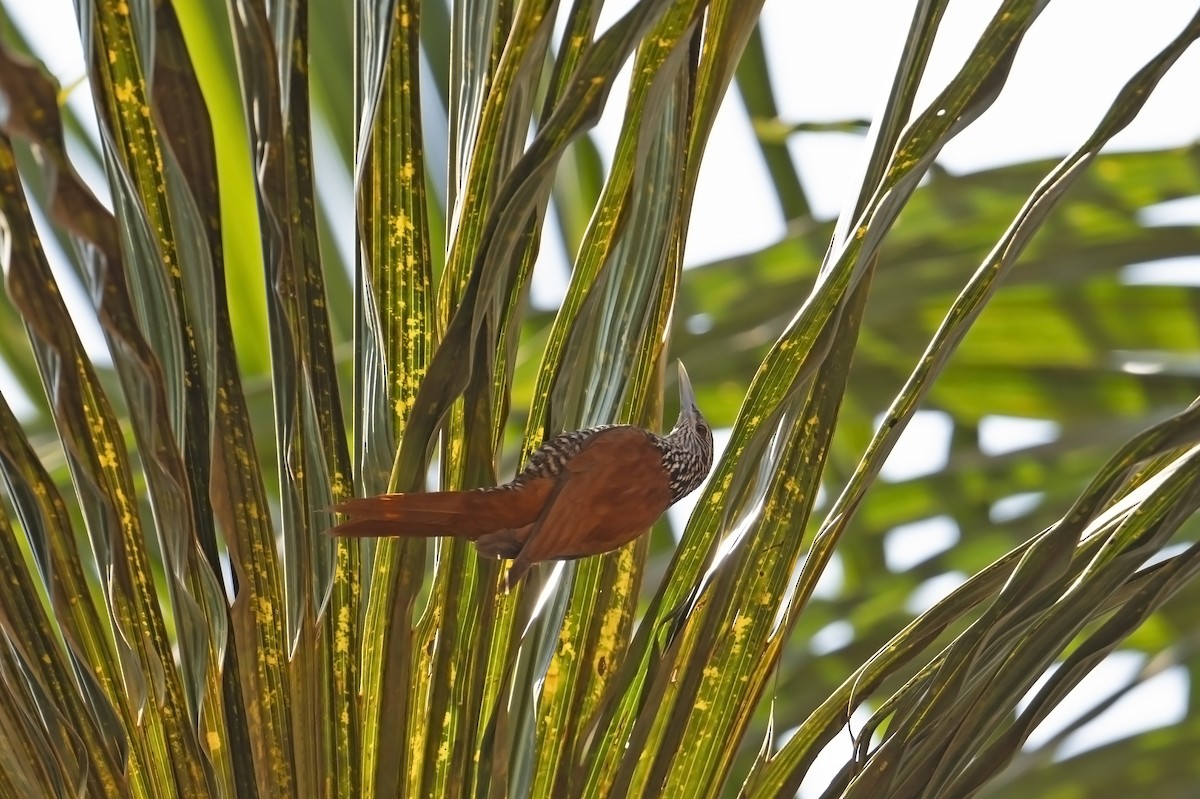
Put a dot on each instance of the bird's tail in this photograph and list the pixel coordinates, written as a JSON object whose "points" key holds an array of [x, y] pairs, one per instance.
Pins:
{"points": [[462, 514]]}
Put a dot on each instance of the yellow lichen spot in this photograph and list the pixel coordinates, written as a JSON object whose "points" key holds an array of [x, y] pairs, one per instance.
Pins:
{"points": [[112, 56], [122, 8], [443, 752], [550, 682], [342, 639], [265, 609], [610, 629], [214, 741], [408, 171], [401, 225], [404, 19], [739, 628], [126, 91], [414, 768], [108, 458], [702, 706], [711, 672], [337, 484]]}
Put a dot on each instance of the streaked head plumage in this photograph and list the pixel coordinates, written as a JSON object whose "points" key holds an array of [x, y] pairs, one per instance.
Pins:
{"points": [[688, 454]]}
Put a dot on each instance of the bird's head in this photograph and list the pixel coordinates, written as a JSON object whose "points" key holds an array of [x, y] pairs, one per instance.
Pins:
{"points": [[691, 437]]}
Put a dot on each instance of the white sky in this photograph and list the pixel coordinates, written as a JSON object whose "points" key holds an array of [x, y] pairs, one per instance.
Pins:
{"points": [[1074, 60]]}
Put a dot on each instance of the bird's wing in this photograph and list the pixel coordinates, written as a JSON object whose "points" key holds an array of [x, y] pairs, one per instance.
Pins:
{"points": [[603, 498]]}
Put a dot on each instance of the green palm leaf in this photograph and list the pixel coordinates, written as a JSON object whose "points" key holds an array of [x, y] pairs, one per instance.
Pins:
{"points": [[175, 622]]}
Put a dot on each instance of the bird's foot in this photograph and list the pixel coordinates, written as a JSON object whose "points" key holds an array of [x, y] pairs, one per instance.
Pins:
{"points": [[500, 544]]}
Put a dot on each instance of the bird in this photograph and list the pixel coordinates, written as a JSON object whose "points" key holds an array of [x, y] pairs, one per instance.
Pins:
{"points": [[581, 493]]}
